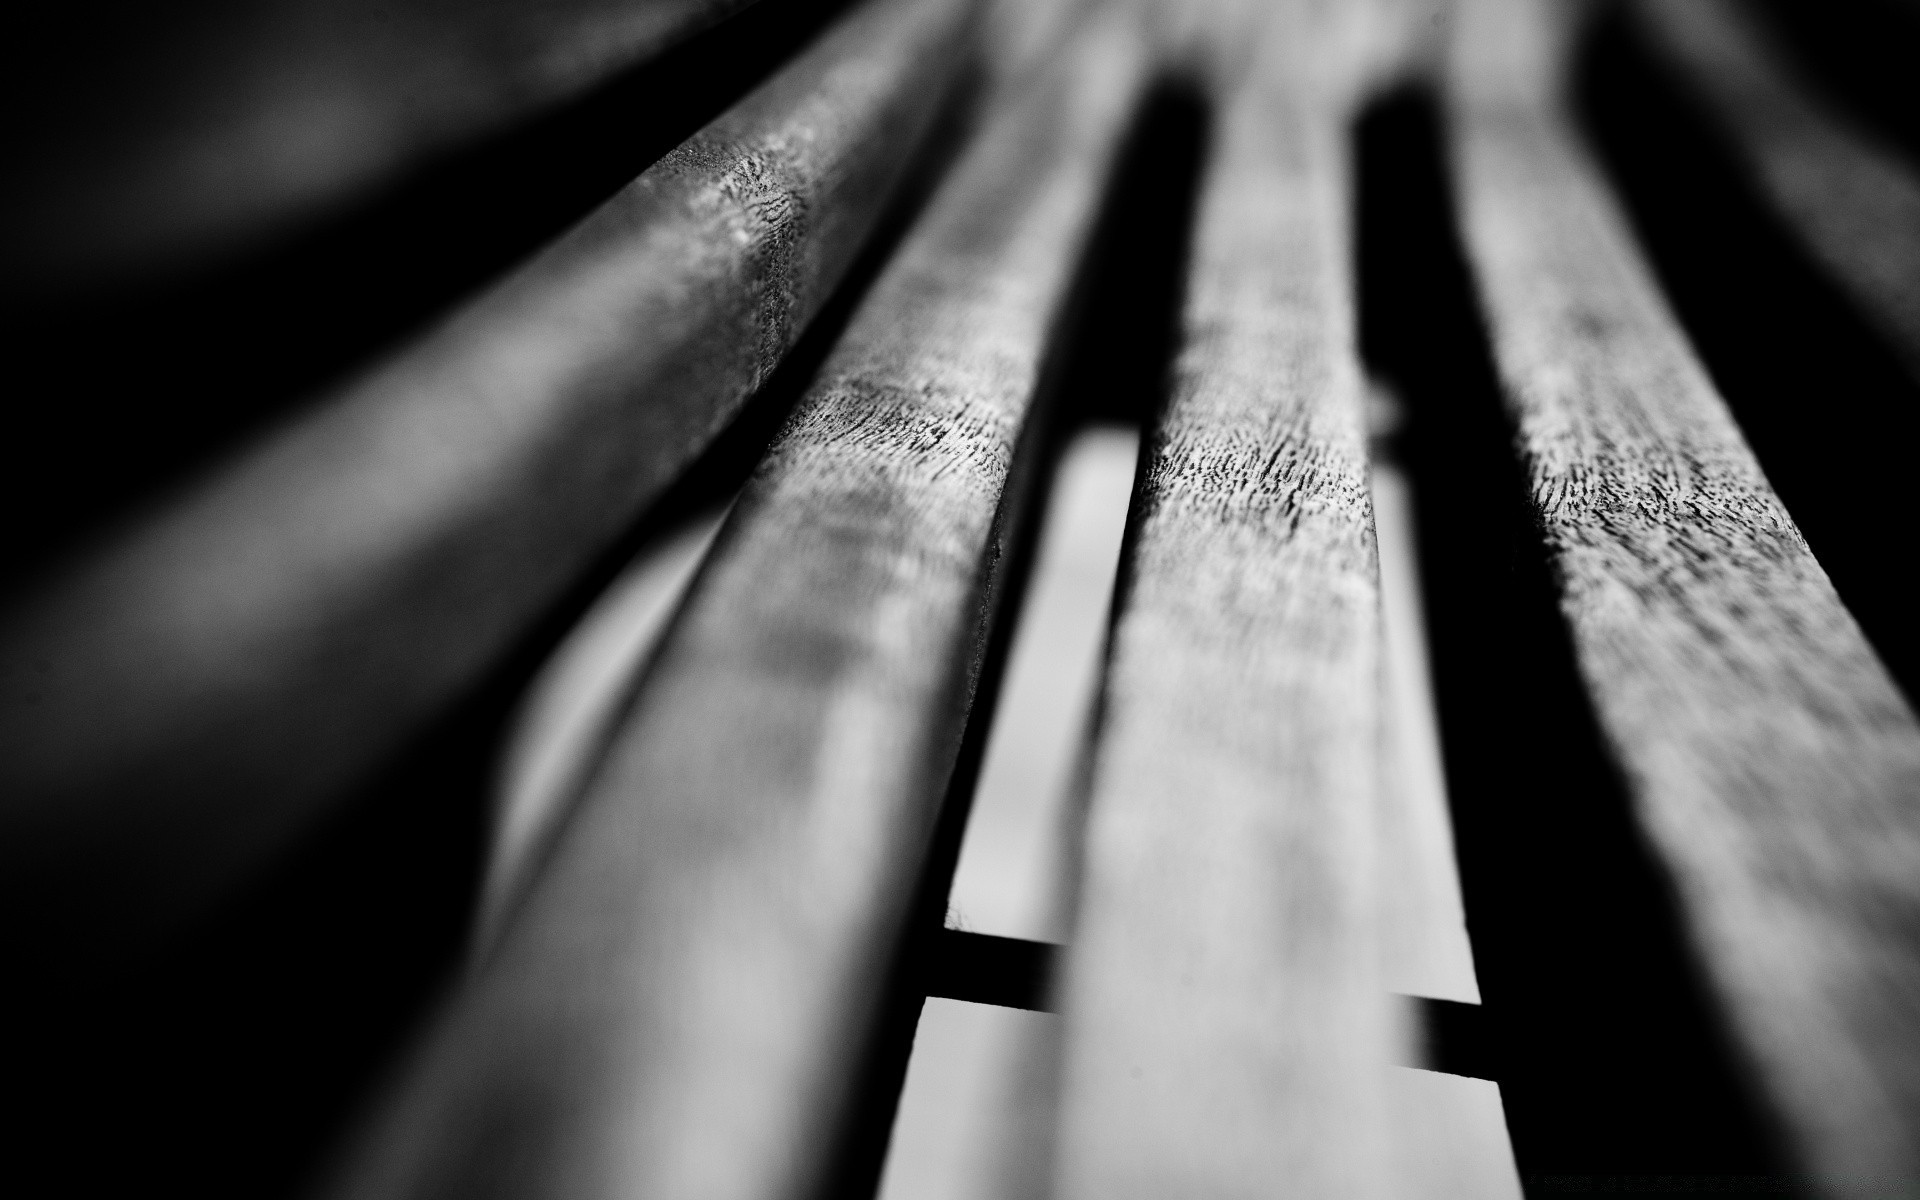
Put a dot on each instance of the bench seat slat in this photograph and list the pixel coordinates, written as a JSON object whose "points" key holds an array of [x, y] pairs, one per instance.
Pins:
{"points": [[1226, 1033], [181, 701], [1771, 762], [679, 1005]]}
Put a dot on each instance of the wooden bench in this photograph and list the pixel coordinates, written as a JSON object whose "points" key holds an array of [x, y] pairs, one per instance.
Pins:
{"points": [[546, 736]]}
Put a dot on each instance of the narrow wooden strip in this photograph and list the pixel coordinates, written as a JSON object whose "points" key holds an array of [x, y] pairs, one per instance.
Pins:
{"points": [[169, 136], [1226, 1030], [178, 703], [1771, 762], [1854, 202], [680, 1006]]}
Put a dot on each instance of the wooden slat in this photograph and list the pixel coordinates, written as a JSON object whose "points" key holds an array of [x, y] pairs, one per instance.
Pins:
{"points": [[1852, 200], [977, 1106], [1771, 763], [1450, 1138], [195, 130], [679, 1007], [182, 700], [1226, 1031]]}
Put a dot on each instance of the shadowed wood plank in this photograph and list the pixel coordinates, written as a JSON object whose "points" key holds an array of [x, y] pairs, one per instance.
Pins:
{"points": [[179, 702], [184, 135], [1853, 201], [678, 1007], [1226, 1031], [1771, 763]]}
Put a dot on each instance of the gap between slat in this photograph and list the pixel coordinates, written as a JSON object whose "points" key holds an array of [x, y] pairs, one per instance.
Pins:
{"points": [[1013, 878]]}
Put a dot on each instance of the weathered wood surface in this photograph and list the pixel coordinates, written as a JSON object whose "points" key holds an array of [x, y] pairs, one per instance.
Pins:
{"points": [[1771, 763], [1226, 1031], [676, 1007], [185, 134], [1853, 201], [180, 701]]}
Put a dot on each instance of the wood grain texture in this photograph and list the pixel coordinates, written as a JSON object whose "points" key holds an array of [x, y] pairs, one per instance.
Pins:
{"points": [[1226, 1031], [678, 1007], [179, 702], [1853, 201], [1771, 763], [181, 134]]}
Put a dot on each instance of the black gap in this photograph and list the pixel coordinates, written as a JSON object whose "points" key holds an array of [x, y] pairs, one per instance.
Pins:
{"points": [[1824, 403], [1137, 251], [113, 395], [1009, 972], [1608, 1058], [1451, 1037], [1861, 53], [235, 1062], [1137, 275]]}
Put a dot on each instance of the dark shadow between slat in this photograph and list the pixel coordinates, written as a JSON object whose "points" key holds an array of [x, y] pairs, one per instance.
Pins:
{"points": [[234, 1062], [1108, 363], [119, 392], [1861, 54], [1825, 404], [983, 969], [1608, 1059], [1451, 1037]]}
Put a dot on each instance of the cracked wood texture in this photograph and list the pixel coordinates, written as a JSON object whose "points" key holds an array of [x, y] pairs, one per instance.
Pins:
{"points": [[1226, 1033], [195, 128], [1854, 201], [183, 700], [676, 1007], [1771, 763]]}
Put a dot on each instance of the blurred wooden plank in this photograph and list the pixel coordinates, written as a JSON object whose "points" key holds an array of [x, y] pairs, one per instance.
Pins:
{"points": [[1772, 764], [977, 1105], [1226, 1033], [681, 1003], [1450, 1138], [1853, 201], [183, 132], [179, 702]]}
